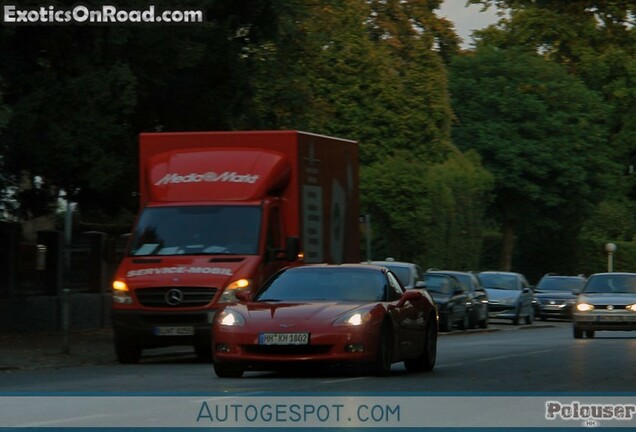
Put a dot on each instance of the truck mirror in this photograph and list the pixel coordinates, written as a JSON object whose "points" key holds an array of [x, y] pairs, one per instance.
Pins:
{"points": [[292, 247]]}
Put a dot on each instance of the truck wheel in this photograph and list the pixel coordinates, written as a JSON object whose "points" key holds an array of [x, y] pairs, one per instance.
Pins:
{"points": [[227, 371], [127, 350]]}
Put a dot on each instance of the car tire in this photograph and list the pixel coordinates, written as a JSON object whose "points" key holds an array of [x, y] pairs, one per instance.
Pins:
{"points": [[589, 334], [127, 350], [227, 371], [529, 318], [577, 332], [426, 361], [384, 355], [445, 324], [484, 323], [465, 322]]}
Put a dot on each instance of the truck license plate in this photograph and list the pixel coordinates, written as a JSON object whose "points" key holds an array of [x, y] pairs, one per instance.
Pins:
{"points": [[283, 338], [174, 331]]}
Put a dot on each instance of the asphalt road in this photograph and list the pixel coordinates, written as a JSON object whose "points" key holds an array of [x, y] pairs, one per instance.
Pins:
{"points": [[537, 358]]}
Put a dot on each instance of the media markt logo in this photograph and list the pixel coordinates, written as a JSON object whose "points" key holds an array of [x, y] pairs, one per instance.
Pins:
{"points": [[209, 177]]}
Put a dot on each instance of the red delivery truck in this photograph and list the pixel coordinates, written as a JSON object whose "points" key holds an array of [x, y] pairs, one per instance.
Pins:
{"points": [[219, 213]]}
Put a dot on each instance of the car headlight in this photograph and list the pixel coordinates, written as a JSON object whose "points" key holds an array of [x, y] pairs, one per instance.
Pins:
{"points": [[584, 307], [121, 294], [353, 319], [230, 318], [631, 307], [230, 291]]}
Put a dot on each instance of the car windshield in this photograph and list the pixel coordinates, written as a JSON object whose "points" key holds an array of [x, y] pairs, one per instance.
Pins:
{"points": [[437, 284], [499, 281], [326, 283], [403, 273], [610, 284], [196, 230], [560, 284]]}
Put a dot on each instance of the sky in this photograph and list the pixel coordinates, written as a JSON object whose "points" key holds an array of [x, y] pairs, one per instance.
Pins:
{"points": [[466, 19]]}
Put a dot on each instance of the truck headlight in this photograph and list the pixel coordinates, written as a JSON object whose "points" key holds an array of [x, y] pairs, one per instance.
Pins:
{"points": [[230, 291], [121, 295], [230, 318]]}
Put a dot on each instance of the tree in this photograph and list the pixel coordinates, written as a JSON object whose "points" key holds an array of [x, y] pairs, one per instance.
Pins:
{"points": [[541, 133]]}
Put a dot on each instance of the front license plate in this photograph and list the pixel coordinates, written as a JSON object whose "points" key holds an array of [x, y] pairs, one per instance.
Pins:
{"points": [[174, 331], [610, 318], [283, 338]]}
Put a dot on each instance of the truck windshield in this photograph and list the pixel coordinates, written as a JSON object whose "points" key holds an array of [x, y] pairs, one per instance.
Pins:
{"points": [[197, 230]]}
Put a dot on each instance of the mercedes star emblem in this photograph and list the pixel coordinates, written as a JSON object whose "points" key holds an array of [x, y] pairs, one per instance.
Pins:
{"points": [[174, 297]]}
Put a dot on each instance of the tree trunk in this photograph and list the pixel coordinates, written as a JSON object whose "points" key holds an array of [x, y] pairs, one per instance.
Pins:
{"points": [[507, 246]]}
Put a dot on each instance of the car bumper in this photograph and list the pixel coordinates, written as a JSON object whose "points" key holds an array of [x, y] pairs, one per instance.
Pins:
{"points": [[605, 321], [242, 348], [554, 311], [160, 329]]}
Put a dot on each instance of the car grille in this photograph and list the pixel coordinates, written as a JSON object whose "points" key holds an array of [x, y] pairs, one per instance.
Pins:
{"points": [[192, 297], [287, 349], [552, 301]]}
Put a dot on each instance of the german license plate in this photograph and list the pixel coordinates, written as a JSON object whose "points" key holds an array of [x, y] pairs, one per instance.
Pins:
{"points": [[610, 318], [174, 331], [283, 338]]}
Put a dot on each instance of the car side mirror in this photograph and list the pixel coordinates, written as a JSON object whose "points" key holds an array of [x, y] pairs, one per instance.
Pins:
{"points": [[527, 290], [244, 296], [409, 296]]}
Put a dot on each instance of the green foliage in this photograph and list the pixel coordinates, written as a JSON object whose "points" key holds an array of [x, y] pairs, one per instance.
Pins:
{"points": [[611, 220], [540, 132]]}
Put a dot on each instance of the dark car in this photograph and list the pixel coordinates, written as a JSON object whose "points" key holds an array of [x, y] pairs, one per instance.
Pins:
{"points": [[451, 299], [347, 314], [554, 297], [607, 302], [478, 309], [509, 295]]}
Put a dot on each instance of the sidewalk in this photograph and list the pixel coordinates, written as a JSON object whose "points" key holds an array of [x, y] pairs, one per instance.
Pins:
{"points": [[45, 350]]}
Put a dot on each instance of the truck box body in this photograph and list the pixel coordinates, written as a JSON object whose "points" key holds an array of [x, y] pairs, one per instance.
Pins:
{"points": [[221, 212]]}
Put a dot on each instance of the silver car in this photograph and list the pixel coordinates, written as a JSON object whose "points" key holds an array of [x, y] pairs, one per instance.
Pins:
{"points": [[607, 302]]}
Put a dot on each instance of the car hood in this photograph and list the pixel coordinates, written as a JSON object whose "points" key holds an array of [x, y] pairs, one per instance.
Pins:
{"points": [[500, 294], [607, 298], [560, 295], [439, 298], [266, 311]]}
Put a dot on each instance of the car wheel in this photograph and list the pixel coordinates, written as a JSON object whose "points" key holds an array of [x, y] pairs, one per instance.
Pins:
{"points": [[384, 356], [465, 323], [515, 320], [530, 318], [127, 350], [203, 351], [445, 324], [484, 323], [589, 334], [426, 361], [227, 371], [578, 333]]}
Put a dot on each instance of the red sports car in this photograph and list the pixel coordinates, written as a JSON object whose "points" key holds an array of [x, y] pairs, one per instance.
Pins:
{"points": [[346, 314]]}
